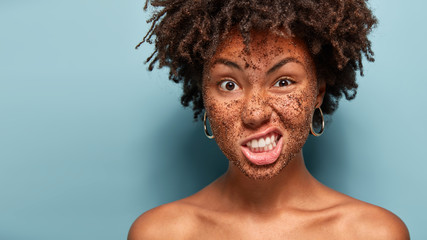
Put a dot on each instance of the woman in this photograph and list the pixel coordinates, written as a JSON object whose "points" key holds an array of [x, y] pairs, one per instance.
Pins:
{"points": [[264, 73]]}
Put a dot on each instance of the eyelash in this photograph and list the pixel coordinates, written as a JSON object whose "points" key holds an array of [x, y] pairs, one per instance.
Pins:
{"points": [[288, 82], [223, 86]]}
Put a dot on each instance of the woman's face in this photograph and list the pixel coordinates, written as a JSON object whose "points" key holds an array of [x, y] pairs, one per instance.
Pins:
{"points": [[260, 104]]}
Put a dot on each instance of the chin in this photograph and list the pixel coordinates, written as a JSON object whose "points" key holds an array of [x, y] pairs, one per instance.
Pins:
{"points": [[263, 172]]}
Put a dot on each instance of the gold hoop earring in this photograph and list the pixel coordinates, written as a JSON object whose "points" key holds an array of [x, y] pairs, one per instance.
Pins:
{"points": [[206, 128], [323, 125]]}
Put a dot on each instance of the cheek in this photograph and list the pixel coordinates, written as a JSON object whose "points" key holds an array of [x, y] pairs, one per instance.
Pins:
{"points": [[225, 119], [294, 113], [294, 110], [223, 115], [225, 124]]}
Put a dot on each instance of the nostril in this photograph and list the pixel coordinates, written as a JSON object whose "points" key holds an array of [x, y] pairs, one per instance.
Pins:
{"points": [[256, 116], [256, 111]]}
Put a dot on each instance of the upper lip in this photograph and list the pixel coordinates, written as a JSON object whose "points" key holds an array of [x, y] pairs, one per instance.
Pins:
{"points": [[262, 133]]}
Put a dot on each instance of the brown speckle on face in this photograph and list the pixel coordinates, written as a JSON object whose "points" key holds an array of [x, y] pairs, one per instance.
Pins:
{"points": [[257, 103]]}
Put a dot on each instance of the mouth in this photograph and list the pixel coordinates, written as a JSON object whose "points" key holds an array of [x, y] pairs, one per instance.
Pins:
{"points": [[263, 148]]}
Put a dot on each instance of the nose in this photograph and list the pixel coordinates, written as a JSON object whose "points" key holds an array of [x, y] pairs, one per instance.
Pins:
{"points": [[256, 112]]}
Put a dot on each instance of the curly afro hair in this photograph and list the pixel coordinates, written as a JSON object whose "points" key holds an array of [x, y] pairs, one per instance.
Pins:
{"points": [[188, 32]]}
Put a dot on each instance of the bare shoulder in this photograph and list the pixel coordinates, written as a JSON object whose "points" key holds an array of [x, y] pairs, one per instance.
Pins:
{"points": [[163, 222], [366, 221]]}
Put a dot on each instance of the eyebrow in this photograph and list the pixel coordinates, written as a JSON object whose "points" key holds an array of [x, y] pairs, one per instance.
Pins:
{"points": [[270, 71], [227, 63], [281, 63]]}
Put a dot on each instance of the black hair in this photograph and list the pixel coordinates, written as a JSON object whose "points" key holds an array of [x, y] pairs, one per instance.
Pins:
{"points": [[188, 32]]}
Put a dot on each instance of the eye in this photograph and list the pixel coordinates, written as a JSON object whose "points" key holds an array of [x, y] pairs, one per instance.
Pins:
{"points": [[283, 82], [229, 86]]}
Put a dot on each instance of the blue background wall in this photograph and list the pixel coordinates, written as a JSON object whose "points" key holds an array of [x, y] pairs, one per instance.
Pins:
{"points": [[89, 139]]}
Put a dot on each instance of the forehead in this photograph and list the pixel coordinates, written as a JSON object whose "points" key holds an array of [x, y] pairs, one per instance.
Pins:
{"points": [[264, 49]]}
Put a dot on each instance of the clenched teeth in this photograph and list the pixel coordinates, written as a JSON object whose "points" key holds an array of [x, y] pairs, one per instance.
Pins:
{"points": [[263, 144]]}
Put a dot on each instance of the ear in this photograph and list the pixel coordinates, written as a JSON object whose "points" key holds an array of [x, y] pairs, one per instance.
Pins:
{"points": [[321, 93]]}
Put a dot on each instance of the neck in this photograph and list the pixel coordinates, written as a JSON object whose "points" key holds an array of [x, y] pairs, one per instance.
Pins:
{"points": [[289, 188]]}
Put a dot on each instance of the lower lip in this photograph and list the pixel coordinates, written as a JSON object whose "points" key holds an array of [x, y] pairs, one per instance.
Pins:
{"points": [[263, 158]]}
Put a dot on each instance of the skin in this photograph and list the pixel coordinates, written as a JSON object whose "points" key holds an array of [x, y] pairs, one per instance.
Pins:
{"points": [[275, 201]]}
